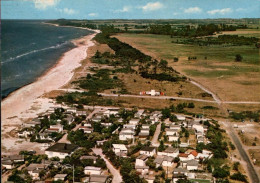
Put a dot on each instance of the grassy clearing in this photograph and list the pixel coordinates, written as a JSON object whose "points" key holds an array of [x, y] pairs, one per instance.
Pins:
{"points": [[232, 81]]}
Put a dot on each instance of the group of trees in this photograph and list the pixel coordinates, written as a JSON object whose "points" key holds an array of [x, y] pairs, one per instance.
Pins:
{"points": [[250, 115]]}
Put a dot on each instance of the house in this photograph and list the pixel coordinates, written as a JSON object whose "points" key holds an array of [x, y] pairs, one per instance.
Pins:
{"points": [[71, 110], [129, 126], [200, 139], [134, 121], [170, 151], [61, 150], [60, 177], [198, 128], [172, 132], [158, 161], [139, 113], [120, 150], [44, 136], [193, 154], [172, 138], [91, 170], [175, 127], [14, 158], [167, 161], [144, 133], [111, 112], [81, 113], [185, 144], [98, 179], [192, 165], [146, 126], [142, 169], [180, 117], [8, 164], [179, 173], [149, 151], [100, 142], [86, 129], [55, 128], [86, 124], [184, 157], [94, 158], [204, 154], [126, 133], [35, 169], [140, 160], [33, 123], [207, 177], [24, 134]]}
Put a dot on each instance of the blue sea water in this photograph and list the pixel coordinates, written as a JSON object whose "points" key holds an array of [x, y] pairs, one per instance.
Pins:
{"points": [[29, 48]]}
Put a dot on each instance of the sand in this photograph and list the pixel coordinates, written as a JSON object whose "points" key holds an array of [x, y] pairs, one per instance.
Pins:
{"points": [[27, 103]]}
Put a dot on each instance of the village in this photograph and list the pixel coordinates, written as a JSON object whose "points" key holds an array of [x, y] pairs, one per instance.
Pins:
{"points": [[95, 146]]}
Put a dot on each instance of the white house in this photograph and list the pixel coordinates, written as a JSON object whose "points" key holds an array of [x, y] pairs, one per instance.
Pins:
{"points": [[149, 151], [198, 128], [126, 133], [61, 150], [35, 169], [184, 157], [172, 138], [91, 170], [129, 126], [120, 150], [180, 117], [140, 160], [168, 161], [193, 154], [86, 129], [70, 119], [58, 127], [142, 169], [134, 121], [60, 177], [170, 151], [172, 132], [144, 133], [175, 127], [139, 113], [8, 164], [146, 126], [192, 165]]}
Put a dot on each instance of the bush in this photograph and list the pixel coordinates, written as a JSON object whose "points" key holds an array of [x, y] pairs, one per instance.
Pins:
{"points": [[239, 176]]}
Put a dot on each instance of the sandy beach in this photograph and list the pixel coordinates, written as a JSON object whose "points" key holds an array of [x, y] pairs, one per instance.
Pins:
{"points": [[26, 102]]}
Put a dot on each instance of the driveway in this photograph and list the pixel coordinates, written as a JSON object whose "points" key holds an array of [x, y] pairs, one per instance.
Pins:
{"points": [[156, 135]]}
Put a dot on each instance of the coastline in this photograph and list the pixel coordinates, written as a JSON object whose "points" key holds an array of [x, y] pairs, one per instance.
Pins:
{"points": [[26, 102]]}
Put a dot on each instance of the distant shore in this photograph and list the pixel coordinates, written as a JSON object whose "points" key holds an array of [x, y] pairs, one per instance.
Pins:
{"points": [[26, 102]]}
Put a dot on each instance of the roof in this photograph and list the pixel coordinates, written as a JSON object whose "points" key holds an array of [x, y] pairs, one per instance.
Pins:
{"points": [[183, 155], [92, 168], [142, 157], [60, 176], [120, 146], [168, 158], [147, 148], [192, 163], [63, 148], [180, 170], [98, 178], [158, 159], [172, 150], [194, 153], [13, 157], [88, 157]]}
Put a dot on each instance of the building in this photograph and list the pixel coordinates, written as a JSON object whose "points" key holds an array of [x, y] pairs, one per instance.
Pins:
{"points": [[144, 133], [70, 119], [91, 170], [149, 151], [126, 133], [33, 123], [35, 169], [170, 151], [120, 150], [98, 179], [94, 158], [86, 129], [192, 165], [134, 121], [140, 160], [61, 150], [142, 169], [172, 132], [60, 177], [8, 164]]}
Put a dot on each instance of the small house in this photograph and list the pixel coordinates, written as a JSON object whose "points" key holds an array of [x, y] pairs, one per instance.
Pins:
{"points": [[149, 151]]}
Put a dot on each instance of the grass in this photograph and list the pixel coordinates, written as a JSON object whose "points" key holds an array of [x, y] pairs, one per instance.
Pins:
{"points": [[232, 81]]}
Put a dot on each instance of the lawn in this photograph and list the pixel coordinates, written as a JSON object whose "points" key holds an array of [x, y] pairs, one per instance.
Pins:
{"points": [[232, 81]]}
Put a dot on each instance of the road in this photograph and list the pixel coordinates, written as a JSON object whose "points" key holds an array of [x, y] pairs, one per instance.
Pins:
{"points": [[117, 178], [156, 135], [64, 138], [251, 171]]}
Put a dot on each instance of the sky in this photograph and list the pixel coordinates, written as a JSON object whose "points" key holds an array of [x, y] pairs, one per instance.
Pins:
{"points": [[129, 9]]}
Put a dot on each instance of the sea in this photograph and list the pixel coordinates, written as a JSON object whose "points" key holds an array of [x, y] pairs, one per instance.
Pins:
{"points": [[29, 48]]}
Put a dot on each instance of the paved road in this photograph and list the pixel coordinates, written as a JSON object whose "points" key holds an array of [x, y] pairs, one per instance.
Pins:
{"points": [[251, 171], [156, 135], [117, 178]]}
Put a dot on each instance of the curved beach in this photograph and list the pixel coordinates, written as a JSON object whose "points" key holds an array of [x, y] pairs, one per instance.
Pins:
{"points": [[26, 102]]}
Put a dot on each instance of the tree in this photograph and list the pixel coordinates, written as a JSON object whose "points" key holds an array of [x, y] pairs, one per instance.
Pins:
{"points": [[221, 172], [235, 166], [239, 176], [238, 58], [191, 105], [163, 64], [166, 113], [161, 146], [175, 59]]}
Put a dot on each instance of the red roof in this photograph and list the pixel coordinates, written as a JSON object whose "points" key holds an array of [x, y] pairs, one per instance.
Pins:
{"points": [[53, 129], [183, 155], [194, 153]]}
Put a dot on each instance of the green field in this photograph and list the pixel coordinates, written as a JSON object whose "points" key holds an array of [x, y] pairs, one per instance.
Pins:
{"points": [[232, 81]]}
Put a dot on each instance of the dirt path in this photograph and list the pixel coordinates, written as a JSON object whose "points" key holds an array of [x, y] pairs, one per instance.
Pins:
{"points": [[156, 135], [117, 178]]}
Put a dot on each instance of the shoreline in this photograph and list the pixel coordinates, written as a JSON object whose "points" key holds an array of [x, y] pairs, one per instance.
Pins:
{"points": [[26, 102]]}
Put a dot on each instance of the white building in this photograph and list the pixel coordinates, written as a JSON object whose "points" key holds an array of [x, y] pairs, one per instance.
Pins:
{"points": [[192, 165], [91, 170], [134, 121], [149, 151], [120, 150], [61, 150], [140, 160], [60, 177], [126, 133], [172, 132], [170, 151]]}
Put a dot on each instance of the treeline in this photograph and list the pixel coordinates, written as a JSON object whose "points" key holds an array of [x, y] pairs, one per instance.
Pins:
{"points": [[250, 115], [190, 31], [233, 40], [64, 22]]}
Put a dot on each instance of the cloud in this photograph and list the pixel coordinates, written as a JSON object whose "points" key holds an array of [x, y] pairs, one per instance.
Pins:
{"points": [[67, 11], [220, 11], [152, 6], [193, 10], [124, 9], [240, 9], [93, 14], [43, 4]]}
